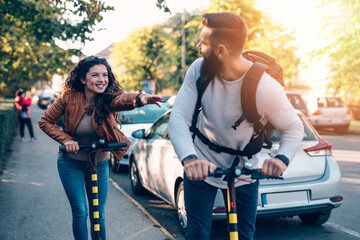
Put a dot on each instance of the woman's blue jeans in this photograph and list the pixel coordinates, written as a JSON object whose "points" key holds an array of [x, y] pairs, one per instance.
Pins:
{"points": [[199, 203], [75, 176]]}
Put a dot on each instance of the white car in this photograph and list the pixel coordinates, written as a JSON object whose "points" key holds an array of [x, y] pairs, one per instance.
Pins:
{"points": [[310, 189], [138, 118], [329, 112]]}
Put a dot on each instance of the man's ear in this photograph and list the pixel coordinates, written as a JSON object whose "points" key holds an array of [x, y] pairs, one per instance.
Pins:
{"points": [[221, 51]]}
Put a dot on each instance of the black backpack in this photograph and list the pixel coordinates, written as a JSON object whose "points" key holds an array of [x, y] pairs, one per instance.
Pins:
{"points": [[261, 63]]}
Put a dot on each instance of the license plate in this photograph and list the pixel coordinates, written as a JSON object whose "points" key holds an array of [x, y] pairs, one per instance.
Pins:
{"points": [[284, 198]]}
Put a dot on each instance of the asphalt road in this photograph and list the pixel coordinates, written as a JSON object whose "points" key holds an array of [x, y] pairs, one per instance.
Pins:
{"points": [[344, 222]]}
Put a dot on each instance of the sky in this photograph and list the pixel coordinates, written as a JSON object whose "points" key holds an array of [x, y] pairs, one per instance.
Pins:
{"points": [[132, 14], [298, 15]]}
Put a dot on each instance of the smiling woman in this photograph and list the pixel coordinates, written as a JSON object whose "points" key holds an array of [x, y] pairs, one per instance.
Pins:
{"points": [[96, 82], [90, 99]]}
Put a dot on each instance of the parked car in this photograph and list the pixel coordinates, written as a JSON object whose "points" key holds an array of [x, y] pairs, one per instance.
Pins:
{"points": [[46, 97], [139, 118], [298, 102], [329, 112], [170, 101], [310, 189]]}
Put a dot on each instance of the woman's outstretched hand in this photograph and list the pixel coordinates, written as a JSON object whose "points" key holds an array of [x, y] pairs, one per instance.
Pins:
{"points": [[151, 99]]}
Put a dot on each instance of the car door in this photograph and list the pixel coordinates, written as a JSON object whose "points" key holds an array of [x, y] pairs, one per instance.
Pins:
{"points": [[155, 138]]}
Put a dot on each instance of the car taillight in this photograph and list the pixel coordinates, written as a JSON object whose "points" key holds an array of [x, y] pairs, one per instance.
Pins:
{"points": [[323, 148], [219, 210], [336, 199], [317, 112]]}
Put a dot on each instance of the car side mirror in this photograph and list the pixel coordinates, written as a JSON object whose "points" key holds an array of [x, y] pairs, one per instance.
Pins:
{"points": [[140, 133]]}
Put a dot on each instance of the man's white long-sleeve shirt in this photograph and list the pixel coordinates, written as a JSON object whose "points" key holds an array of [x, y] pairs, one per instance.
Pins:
{"points": [[221, 108]]}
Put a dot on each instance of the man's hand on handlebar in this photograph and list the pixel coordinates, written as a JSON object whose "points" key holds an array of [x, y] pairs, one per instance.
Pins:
{"points": [[273, 167], [198, 170], [72, 146]]}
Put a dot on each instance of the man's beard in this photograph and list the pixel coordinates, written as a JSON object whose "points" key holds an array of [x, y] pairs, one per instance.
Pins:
{"points": [[211, 65]]}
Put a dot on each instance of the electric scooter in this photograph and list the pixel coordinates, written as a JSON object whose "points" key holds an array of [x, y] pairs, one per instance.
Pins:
{"points": [[230, 175], [101, 145]]}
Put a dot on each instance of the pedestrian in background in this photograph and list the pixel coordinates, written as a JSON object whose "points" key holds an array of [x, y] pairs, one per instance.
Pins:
{"points": [[23, 104], [89, 102]]}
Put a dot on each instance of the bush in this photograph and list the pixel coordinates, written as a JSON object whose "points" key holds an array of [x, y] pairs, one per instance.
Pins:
{"points": [[8, 121]]}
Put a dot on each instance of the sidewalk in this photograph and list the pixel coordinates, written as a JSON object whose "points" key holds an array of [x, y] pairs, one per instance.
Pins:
{"points": [[34, 205], [355, 127]]}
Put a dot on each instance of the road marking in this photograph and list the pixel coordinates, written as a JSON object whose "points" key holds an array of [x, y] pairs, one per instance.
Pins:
{"points": [[136, 203], [350, 180], [347, 155], [343, 229]]}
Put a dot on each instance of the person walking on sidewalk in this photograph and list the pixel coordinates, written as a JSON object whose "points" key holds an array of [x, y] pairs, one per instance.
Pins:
{"points": [[221, 43], [23, 104], [89, 102]]}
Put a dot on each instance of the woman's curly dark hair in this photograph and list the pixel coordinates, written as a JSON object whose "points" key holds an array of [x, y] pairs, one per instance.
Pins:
{"points": [[73, 83]]}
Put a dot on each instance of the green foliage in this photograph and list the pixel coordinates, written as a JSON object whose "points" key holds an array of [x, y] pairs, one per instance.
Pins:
{"points": [[162, 5], [29, 30], [134, 54], [342, 31], [8, 119]]}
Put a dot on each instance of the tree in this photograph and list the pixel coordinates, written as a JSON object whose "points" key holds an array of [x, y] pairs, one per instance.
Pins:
{"points": [[342, 30], [136, 58], [263, 35], [29, 30]]}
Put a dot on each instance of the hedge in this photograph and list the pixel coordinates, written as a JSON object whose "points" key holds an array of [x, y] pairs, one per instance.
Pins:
{"points": [[8, 121]]}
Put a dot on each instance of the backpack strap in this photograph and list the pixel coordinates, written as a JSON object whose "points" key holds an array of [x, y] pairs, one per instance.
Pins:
{"points": [[249, 152], [201, 84], [248, 91]]}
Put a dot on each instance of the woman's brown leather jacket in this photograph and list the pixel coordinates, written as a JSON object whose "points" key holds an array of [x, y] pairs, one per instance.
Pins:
{"points": [[72, 106]]}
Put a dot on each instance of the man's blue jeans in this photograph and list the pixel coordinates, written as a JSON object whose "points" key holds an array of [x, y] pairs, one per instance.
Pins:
{"points": [[199, 203], [75, 176]]}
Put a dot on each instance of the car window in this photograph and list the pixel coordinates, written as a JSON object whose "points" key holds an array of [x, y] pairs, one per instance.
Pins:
{"points": [[321, 102], [146, 114], [296, 101], [309, 134], [159, 130], [334, 102]]}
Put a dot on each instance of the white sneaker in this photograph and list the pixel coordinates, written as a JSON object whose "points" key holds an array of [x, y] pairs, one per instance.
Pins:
{"points": [[23, 140], [33, 139]]}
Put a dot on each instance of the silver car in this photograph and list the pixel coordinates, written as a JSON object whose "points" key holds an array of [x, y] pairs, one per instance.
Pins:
{"points": [[310, 189], [329, 112], [138, 118]]}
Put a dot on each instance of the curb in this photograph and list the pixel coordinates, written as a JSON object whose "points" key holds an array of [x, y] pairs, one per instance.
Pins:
{"points": [[138, 205]]}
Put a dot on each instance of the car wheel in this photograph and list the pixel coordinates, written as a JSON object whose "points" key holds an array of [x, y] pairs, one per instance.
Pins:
{"points": [[180, 206], [114, 163], [136, 185], [316, 218]]}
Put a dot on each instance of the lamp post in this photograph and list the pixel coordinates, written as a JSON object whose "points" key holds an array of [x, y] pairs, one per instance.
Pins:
{"points": [[183, 48]]}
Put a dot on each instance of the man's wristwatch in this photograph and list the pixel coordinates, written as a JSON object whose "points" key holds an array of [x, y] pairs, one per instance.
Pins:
{"points": [[190, 157], [283, 158]]}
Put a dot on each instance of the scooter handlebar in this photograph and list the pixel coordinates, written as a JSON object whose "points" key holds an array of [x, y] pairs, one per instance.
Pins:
{"points": [[236, 172], [105, 147]]}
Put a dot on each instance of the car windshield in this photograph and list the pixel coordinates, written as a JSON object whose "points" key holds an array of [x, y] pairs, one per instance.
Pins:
{"points": [[330, 102], [146, 114], [296, 101], [309, 134]]}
